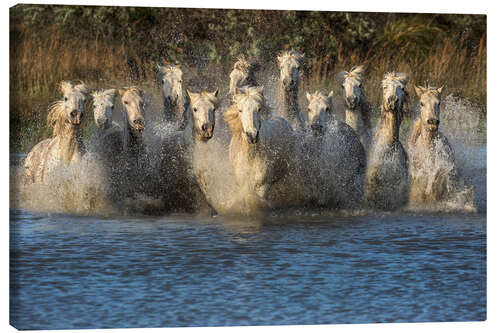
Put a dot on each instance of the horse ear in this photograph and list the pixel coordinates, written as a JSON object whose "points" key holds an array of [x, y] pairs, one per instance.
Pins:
{"points": [[358, 70], [82, 87], [330, 96], [66, 86], [161, 69], [121, 91], [419, 91], [216, 92], [440, 90], [280, 57], [341, 76], [190, 95], [111, 92], [308, 96], [404, 78]]}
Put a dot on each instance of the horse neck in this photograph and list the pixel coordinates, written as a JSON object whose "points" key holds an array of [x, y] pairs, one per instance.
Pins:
{"points": [[70, 142], [132, 142], [175, 112], [239, 144], [359, 117], [353, 119], [289, 105], [428, 138], [389, 125]]}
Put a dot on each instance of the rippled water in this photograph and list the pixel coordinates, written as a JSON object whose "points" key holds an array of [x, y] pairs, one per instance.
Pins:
{"points": [[89, 272], [72, 271]]}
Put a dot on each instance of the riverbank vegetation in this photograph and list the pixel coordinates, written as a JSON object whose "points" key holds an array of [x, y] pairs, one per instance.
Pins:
{"points": [[118, 46]]}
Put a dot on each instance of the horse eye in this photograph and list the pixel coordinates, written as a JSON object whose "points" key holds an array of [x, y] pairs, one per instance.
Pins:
{"points": [[240, 110], [65, 98], [162, 81], [125, 102], [194, 109], [421, 104]]}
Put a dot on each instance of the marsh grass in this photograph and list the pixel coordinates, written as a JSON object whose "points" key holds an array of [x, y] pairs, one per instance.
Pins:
{"points": [[38, 65]]}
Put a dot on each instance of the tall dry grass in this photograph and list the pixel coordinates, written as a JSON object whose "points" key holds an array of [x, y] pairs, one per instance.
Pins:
{"points": [[37, 67], [462, 73]]}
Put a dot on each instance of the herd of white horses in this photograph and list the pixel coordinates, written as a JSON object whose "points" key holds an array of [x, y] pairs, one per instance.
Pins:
{"points": [[280, 158]]}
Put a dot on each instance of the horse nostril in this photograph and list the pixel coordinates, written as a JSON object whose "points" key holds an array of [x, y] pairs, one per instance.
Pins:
{"points": [[204, 127], [252, 137], [73, 113], [317, 127]]}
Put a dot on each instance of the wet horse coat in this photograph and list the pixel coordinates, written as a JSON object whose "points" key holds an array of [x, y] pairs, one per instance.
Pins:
{"points": [[66, 145]]}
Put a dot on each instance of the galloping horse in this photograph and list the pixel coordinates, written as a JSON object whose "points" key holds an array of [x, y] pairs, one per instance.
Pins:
{"points": [[387, 183], [65, 146]]}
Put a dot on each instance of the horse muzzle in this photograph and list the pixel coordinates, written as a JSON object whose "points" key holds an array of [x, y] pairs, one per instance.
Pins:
{"points": [[101, 123], [76, 117], [352, 102], [138, 125], [169, 101], [207, 131], [252, 138], [391, 103], [432, 124], [317, 129], [289, 84]]}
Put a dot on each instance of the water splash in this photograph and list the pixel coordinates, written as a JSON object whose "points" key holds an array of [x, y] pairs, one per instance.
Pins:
{"points": [[170, 175]]}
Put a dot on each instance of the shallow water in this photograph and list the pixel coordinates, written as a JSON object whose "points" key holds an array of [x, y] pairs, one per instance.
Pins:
{"points": [[70, 270], [90, 272]]}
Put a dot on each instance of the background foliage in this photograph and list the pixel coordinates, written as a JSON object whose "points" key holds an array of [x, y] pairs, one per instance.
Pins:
{"points": [[106, 46]]}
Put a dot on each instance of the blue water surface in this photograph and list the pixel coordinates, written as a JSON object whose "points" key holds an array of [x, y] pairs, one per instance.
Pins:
{"points": [[88, 272]]}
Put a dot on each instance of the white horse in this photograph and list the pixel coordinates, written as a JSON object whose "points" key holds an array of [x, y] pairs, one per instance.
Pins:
{"points": [[242, 74], [260, 147], [434, 176], [109, 134], [331, 162], [132, 103], [289, 65], [357, 113], [66, 145], [175, 102], [181, 175], [387, 183]]}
